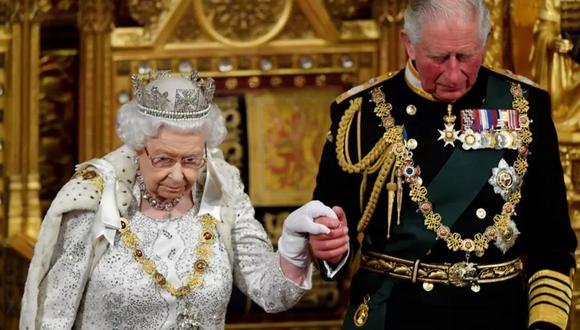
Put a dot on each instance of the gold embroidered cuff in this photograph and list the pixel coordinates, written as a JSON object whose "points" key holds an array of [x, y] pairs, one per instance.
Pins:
{"points": [[549, 298], [549, 291]]}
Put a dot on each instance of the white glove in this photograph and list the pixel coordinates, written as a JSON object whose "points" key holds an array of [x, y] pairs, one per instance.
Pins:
{"points": [[293, 244]]}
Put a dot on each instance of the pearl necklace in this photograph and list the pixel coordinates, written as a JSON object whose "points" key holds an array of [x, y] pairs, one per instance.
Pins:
{"points": [[163, 206]]}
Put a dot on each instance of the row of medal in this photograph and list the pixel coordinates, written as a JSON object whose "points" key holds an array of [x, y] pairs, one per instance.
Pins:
{"points": [[489, 139], [484, 129]]}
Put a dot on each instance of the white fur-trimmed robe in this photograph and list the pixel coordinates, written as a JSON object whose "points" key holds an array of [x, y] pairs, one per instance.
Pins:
{"points": [[223, 197]]}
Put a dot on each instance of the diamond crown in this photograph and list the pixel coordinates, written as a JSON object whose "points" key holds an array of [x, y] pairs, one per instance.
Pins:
{"points": [[187, 103]]}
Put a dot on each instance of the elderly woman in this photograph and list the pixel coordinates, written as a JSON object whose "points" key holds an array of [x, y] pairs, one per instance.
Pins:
{"points": [[154, 234]]}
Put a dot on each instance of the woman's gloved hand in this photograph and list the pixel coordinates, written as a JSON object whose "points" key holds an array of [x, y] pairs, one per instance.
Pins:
{"points": [[293, 243]]}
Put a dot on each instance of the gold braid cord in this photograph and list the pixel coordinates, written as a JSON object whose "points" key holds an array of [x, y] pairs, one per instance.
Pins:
{"points": [[379, 158]]}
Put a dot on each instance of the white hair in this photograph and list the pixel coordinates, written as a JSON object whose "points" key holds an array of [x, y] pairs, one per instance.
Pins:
{"points": [[420, 11], [135, 127]]}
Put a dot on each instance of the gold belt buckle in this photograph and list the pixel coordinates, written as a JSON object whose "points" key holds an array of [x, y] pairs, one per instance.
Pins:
{"points": [[462, 274]]}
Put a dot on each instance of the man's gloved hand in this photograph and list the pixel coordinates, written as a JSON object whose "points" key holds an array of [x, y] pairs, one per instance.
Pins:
{"points": [[293, 244]]}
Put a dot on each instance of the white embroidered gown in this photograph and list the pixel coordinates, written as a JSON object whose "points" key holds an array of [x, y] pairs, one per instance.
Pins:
{"points": [[119, 294]]}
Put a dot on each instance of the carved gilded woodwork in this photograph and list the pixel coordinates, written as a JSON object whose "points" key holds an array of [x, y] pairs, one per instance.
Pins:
{"points": [[320, 19], [346, 10], [494, 56], [58, 136], [523, 15], [5, 10], [570, 156], [96, 16], [188, 30], [55, 7], [232, 146], [95, 120], [146, 12], [297, 28], [243, 23], [5, 285], [553, 67], [21, 120], [292, 53], [19, 205], [314, 31], [570, 15], [390, 16], [19, 211], [4, 48], [157, 32]]}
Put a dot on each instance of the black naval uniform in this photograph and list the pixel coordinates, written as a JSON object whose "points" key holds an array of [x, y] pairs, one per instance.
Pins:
{"points": [[546, 242]]}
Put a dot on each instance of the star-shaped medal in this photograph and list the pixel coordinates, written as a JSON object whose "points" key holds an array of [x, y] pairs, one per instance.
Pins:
{"points": [[504, 179], [449, 135]]}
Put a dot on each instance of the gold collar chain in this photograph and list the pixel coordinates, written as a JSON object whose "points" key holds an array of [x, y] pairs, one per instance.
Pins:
{"points": [[203, 251], [501, 228]]}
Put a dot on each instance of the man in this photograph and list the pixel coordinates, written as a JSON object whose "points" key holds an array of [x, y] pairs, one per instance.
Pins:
{"points": [[448, 174]]}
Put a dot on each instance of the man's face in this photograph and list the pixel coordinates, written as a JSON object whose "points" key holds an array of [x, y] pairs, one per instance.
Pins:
{"points": [[447, 57]]}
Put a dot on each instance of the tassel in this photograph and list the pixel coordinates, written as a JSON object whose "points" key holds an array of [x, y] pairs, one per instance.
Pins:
{"points": [[391, 187], [363, 189], [399, 199]]}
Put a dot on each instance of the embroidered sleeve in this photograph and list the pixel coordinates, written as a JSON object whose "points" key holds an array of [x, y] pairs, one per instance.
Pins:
{"points": [[549, 298], [551, 240], [257, 271], [62, 289]]}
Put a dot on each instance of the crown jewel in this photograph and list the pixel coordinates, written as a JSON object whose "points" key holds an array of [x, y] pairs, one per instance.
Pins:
{"points": [[188, 103]]}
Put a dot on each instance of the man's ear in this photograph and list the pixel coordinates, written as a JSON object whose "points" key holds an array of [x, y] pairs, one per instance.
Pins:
{"points": [[408, 46], [488, 37]]}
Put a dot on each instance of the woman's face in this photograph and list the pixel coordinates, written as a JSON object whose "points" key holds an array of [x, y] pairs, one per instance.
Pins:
{"points": [[169, 163]]}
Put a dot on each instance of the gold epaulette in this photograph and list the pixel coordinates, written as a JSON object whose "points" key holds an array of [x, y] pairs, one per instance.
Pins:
{"points": [[517, 77], [371, 82]]}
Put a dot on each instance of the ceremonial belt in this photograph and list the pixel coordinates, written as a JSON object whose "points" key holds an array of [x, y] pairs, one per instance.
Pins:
{"points": [[459, 274]]}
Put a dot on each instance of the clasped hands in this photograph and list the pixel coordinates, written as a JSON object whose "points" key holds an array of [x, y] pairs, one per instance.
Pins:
{"points": [[324, 228]]}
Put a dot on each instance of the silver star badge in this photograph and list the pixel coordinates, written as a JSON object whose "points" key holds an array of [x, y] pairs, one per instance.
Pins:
{"points": [[504, 179], [449, 135], [506, 239]]}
